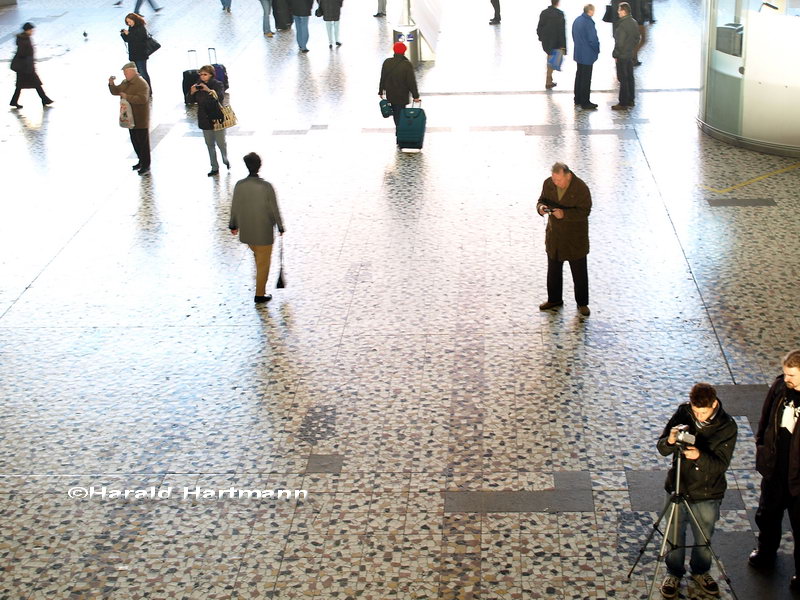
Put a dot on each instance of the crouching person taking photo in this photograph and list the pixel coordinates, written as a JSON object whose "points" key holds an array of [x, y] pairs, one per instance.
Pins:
{"points": [[702, 482]]}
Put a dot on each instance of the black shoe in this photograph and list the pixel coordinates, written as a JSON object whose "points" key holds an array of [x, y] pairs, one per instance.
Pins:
{"points": [[136, 166], [16, 105], [262, 299], [159, 9], [338, 43], [213, 172], [638, 63], [794, 583], [761, 559], [227, 164], [144, 171], [47, 102], [330, 46], [303, 50], [494, 22], [379, 14], [550, 305], [590, 106]]}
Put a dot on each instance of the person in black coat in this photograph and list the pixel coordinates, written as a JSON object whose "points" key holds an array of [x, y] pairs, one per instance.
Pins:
{"points": [[282, 14], [301, 11], [24, 65], [330, 11], [398, 81], [136, 38], [209, 93], [552, 32]]}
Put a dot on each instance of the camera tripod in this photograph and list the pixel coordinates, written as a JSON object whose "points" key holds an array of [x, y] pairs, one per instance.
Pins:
{"points": [[676, 500]]}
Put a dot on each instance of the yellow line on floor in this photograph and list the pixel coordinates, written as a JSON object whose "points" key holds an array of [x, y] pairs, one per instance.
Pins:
{"points": [[753, 180]]}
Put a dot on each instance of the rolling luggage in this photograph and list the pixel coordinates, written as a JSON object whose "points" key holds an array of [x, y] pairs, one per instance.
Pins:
{"points": [[190, 77], [220, 72], [411, 128]]}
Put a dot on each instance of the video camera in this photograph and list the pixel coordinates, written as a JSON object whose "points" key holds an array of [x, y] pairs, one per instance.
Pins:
{"points": [[683, 437]]}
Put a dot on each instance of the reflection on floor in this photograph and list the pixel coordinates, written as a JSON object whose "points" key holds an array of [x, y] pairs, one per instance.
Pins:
{"points": [[453, 441]]}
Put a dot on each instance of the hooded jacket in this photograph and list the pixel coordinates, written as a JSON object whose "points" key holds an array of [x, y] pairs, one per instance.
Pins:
{"points": [[552, 29], [767, 438], [704, 478]]}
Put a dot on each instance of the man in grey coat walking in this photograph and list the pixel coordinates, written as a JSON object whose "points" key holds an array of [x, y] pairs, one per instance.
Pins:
{"points": [[254, 215], [626, 39]]}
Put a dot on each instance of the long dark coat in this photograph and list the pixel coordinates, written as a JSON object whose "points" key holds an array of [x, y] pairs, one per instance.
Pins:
{"points": [[137, 42], [568, 238], [301, 8], [331, 9], [23, 63], [398, 80], [552, 29]]}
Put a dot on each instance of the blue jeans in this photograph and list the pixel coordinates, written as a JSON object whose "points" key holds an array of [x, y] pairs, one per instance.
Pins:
{"points": [[301, 25], [267, 6], [141, 66], [139, 5], [706, 512], [226, 4]]}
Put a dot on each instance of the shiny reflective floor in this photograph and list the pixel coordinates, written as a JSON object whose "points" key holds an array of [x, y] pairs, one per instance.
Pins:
{"points": [[453, 441]]}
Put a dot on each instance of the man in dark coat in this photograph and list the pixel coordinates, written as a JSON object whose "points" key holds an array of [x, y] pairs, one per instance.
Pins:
{"points": [[587, 47], [552, 32], [568, 201], [778, 462], [24, 65], [301, 11], [282, 14], [702, 482], [398, 81], [626, 38], [136, 91]]}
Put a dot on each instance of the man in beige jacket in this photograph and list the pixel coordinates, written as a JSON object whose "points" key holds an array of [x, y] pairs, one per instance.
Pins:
{"points": [[136, 91]]}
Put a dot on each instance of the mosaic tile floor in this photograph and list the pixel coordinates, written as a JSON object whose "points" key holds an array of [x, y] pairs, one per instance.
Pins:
{"points": [[452, 441]]}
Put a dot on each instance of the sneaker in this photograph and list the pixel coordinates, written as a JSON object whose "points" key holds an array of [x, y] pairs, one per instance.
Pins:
{"points": [[669, 587], [707, 584]]}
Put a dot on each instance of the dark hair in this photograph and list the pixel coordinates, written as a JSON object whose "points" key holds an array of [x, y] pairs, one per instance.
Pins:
{"points": [[28, 26], [253, 162], [792, 359], [137, 19], [626, 7], [207, 69], [702, 395]]}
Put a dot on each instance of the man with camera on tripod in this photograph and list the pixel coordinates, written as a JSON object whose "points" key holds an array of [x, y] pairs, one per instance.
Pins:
{"points": [[705, 435]]}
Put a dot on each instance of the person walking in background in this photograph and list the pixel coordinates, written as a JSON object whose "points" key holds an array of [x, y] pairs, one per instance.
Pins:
{"points": [[587, 48], [152, 4], [266, 6], [24, 65], [209, 93], [398, 81], [301, 11], [254, 216], [626, 38], [552, 32], [381, 9], [282, 14], [226, 6], [136, 38], [568, 201], [496, 18], [136, 91], [331, 11]]}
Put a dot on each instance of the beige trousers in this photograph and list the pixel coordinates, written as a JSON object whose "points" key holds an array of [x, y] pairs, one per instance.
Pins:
{"points": [[263, 256]]}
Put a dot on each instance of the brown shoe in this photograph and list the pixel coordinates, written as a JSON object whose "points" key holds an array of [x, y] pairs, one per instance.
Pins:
{"points": [[620, 107], [550, 305], [584, 310]]}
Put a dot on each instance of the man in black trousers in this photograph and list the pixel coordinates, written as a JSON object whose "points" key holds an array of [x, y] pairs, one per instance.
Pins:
{"points": [[496, 19]]}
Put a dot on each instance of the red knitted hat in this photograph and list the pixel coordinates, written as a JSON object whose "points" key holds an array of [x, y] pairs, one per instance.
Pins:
{"points": [[399, 48]]}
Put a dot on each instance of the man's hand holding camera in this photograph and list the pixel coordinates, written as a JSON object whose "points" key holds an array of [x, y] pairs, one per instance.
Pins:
{"points": [[680, 435]]}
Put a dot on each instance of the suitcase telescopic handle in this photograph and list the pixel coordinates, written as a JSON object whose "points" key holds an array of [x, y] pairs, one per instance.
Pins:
{"points": [[213, 61], [192, 54]]}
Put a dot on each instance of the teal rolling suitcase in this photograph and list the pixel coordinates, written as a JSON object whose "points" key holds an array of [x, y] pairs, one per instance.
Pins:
{"points": [[411, 128]]}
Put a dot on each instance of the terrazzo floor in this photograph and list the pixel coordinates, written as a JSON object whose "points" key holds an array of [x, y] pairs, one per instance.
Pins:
{"points": [[447, 439]]}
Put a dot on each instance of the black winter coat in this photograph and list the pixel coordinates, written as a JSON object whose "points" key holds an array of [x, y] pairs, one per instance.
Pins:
{"points": [[552, 29], [704, 478], [208, 106], [23, 63], [331, 9], [301, 8], [767, 438], [137, 42], [398, 80]]}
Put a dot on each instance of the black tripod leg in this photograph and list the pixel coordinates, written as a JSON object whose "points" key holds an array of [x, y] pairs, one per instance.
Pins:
{"points": [[706, 541]]}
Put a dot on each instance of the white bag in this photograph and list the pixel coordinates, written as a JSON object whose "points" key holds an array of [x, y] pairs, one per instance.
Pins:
{"points": [[126, 114]]}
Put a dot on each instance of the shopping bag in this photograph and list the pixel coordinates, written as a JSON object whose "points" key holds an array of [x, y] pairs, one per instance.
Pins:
{"points": [[126, 114], [555, 59]]}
